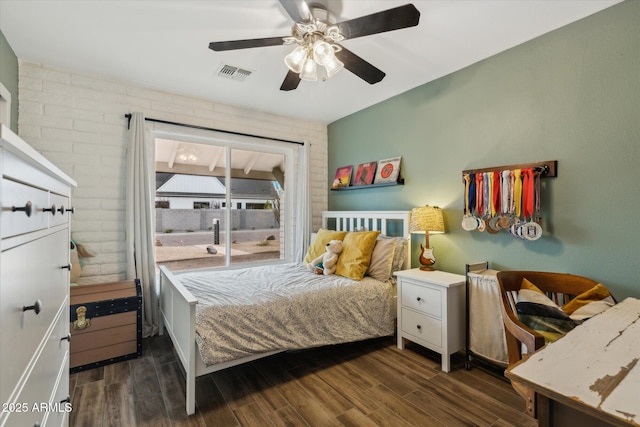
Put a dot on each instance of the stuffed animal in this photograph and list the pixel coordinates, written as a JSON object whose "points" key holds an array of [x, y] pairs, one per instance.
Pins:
{"points": [[327, 262]]}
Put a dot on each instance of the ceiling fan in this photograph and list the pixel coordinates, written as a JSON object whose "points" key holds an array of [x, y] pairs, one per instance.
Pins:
{"points": [[316, 35]]}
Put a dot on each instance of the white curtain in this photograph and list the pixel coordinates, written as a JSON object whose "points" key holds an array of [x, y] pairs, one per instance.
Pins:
{"points": [[303, 204], [140, 221]]}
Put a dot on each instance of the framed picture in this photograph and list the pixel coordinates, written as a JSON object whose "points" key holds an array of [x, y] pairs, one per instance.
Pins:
{"points": [[343, 177], [365, 173], [388, 170]]}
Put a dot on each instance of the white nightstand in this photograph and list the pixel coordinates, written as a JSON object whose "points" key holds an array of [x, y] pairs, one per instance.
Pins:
{"points": [[431, 310]]}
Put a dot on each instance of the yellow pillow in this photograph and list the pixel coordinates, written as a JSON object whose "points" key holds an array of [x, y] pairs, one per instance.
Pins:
{"points": [[317, 248], [357, 248], [589, 303]]}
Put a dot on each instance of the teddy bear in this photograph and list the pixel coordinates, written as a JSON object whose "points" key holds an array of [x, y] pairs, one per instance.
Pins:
{"points": [[327, 262]]}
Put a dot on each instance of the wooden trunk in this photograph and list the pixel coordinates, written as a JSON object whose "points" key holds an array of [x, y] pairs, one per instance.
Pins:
{"points": [[106, 324]]}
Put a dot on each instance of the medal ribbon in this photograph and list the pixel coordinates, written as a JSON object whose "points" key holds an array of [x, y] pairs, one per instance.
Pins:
{"points": [[505, 190], [495, 208], [466, 193], [527, 192], [486, 196], [479, 190], [472, 192], [517, 190]]}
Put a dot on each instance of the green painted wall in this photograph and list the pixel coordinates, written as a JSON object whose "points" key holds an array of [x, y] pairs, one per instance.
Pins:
{"points": [[572, 95], [9, 77]]}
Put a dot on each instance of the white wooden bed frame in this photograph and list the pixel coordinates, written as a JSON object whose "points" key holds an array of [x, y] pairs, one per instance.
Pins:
{"points": [[178, 305]]}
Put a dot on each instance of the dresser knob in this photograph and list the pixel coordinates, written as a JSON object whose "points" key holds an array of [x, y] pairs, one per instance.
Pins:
{"points": [[418, 299], [67, 338], [26, 209], [419, 327], [37, 306], [62, 210], [52, 209], [68, 267]]}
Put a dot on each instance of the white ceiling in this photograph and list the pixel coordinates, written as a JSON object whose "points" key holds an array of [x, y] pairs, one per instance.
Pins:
{"points": [[163, 44]]}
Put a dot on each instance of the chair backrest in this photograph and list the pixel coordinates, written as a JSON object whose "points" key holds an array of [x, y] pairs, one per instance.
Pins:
{"points": [[559, 287]]}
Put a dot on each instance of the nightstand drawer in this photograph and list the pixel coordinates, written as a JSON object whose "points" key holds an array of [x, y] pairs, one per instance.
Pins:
{"points": [[421, 298], [422, 327]]}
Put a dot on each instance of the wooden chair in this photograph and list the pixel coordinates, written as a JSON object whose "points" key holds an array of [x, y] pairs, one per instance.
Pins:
{"points": [[560, 288]]}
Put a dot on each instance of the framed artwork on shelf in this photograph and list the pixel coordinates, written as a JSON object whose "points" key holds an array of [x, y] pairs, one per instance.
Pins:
{"points": [[365, 173], [388, 170], [343, 177]]}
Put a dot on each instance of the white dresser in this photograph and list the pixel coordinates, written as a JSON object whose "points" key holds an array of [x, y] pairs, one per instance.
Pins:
{"points": [[34, 287], [431, 311]]}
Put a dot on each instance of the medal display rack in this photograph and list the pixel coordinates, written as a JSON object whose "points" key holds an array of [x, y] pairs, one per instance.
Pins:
{"points": [[549, 168], [506, 198]]}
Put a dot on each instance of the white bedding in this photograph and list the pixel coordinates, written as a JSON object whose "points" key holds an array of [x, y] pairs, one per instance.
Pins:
{"points": [[284, 307]]}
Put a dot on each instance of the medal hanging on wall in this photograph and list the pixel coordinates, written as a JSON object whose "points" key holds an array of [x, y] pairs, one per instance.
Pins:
{"points": [[504, 200]]}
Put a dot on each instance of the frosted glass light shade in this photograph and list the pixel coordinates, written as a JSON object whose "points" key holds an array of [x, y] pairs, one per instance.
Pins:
{"points": [[322, 52], [333, 66], [295, 60], [309, 70]]}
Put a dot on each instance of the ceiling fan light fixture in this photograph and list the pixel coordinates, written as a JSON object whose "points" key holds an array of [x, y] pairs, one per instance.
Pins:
{"points": [[296, 59], [309, 70]]}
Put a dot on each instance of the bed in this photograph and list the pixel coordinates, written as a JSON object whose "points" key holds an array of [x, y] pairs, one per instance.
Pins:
{"points": [[214, 328]]}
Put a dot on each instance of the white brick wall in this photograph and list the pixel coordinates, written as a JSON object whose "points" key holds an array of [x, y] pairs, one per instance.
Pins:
{"points": [[77, 121]]}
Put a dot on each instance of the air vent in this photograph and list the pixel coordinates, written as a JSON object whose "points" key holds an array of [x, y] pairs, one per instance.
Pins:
{"points": [[234, 73]]}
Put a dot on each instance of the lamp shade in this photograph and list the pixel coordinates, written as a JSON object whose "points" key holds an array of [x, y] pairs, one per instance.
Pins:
{"points": [[295, 60], [309, 70], [426, 219]]}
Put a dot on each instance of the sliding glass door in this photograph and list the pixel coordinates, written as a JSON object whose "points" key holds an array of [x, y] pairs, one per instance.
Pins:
{"points": [[221, 204]]}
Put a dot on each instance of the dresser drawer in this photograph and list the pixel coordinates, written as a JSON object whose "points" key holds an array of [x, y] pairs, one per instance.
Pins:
{"points": [[21, 196], [30, 272], [44, 382], [422, 327], [421, 298]]}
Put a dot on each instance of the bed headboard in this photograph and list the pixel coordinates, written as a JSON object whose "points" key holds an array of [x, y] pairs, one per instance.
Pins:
{"points": [[391, 223]]}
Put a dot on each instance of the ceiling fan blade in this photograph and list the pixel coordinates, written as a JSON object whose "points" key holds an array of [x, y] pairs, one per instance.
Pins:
{"points": [[297, 10], [291, 81], [245, 44], [380, 22], [360, 67]]}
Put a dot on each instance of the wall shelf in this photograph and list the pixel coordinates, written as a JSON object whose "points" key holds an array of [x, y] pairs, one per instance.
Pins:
{"points": [[358, 187]]}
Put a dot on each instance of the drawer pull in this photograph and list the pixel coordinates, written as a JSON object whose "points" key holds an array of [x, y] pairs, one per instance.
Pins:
{"points": [[419, 327], [82, 322], [62, 210], [52, 209], [68, 338], [418, 299], [67, 400], [68, 267], [26, 209], [37, 307]]}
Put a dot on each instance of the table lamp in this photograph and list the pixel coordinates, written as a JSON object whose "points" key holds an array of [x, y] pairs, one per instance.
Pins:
{"points": [[427, 220]]}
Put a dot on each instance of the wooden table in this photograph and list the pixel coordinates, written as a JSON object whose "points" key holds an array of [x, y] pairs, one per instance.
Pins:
{"points": [[592, 374]]}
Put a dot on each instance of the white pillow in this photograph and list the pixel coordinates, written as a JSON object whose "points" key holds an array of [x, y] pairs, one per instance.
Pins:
{"points": [[380, 266]]}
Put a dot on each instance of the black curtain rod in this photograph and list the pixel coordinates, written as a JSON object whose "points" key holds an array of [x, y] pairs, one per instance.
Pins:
{"points": [[166, 122]]}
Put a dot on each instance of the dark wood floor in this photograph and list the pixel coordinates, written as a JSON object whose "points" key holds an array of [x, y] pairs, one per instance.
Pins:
{"points": [[359, 384]]}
